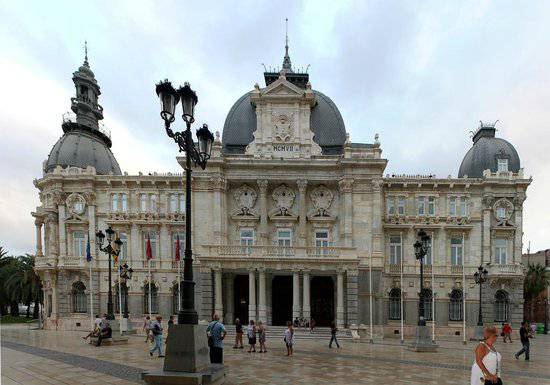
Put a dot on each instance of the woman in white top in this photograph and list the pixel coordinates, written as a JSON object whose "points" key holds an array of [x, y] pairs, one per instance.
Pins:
{"points": [[486, 367], [289, 338]]}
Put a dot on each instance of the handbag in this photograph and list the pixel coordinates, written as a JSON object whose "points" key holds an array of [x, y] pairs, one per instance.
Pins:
{"points": [[489, 382]]}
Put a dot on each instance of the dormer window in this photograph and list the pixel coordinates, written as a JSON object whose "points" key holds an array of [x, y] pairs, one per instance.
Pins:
{"points": [[502, 165]]}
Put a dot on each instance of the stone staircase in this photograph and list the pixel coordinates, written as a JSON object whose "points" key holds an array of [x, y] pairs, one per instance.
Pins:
{"points": [[274, 332]]}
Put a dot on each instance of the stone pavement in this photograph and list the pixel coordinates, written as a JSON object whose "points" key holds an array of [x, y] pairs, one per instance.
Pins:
{"points": [[49, 357]]}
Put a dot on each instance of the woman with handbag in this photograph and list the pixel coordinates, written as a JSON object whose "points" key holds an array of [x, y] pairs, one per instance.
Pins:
{"points": [[486, 366]]}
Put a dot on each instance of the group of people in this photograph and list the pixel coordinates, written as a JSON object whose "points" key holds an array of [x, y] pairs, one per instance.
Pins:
{"points": [[256, 333], [304, 323], [486, 368], [102, 330], [154, 333]]}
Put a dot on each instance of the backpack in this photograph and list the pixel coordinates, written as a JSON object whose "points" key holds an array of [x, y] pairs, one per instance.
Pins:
{"points": [[210, 338]]}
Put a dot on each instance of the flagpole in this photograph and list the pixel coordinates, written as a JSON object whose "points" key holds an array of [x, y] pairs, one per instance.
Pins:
{"points": [[91, 297], [433, 291], [149, 268], [401, 284], [370, 297], [463, 294], [119, 298]]}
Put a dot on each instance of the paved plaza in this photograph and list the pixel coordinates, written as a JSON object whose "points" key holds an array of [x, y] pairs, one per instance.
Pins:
{"points": [[34, 357]]}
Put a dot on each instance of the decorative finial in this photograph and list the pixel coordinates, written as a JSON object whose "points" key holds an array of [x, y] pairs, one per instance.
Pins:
{"points": [[287, 65], [286, 36], [86, 53]]}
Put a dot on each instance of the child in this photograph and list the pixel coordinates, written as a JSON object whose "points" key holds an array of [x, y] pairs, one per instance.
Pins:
{"points": [[261, 334]]}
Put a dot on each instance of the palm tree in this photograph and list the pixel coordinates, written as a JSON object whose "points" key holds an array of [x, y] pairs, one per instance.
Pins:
{"points": [[23, 285], [536, 281]]}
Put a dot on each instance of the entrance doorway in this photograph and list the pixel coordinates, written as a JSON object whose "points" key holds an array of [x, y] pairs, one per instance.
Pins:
{"points": [[281, 291], [322, 300], [241, 298]]}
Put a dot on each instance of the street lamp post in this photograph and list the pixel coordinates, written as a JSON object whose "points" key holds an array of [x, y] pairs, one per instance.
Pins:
{"points": [[480, 277], [110, 250], [187, 339], [423, 340], [126, 274], [169, 99]]}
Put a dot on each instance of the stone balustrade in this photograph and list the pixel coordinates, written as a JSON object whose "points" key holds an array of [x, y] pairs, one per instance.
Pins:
{"points": [[454, 270], [507, 269], [276, 251]]}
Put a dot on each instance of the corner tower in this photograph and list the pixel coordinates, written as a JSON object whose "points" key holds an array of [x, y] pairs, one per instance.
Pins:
{"points": [[85, 142]]}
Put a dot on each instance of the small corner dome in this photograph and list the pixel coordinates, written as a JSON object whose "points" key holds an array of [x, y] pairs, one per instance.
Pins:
{"points": [[325, 120], [79, 148], [485, 154]]}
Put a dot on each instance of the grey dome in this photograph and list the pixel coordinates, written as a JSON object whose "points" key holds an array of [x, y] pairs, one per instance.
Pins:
{"points": [[484, 154], [82, 148], [327, 124]]}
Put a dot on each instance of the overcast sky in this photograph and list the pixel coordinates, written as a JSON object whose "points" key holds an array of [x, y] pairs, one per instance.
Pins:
{"points": [[420, 73]]}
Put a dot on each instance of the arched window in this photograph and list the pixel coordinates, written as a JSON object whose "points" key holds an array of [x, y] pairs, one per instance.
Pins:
{"points": [[80, 305], [455, 305], [175, 300], [154, 299], [124, 297], [502, 306], [395, 304], [426, 298]]}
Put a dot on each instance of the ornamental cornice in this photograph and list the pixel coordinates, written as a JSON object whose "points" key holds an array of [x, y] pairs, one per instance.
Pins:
{"points": [[345, 185]]}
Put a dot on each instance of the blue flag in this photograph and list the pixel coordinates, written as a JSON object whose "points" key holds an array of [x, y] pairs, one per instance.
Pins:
{"points": [[88, 254]]}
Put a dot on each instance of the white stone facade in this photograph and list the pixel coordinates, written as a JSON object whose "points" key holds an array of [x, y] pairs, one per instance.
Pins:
{"points": [[283, 231]]}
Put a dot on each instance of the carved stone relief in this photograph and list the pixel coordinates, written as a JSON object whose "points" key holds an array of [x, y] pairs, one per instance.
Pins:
{"points": [[321, 198], [245, 199], [284, 199], [503, 206], [283, 129]]}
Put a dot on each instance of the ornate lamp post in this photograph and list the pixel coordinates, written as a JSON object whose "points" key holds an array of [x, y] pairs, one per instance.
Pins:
{"points": [[423, 340], [110, 250], [480, 277], [125, 274], [169, 99], [186, 339]]}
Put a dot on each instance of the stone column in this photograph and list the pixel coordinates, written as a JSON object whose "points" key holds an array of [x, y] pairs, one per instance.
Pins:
{"points": [[62, 231], [262, 184], [54, 295], [377, 213], [91, 229], [295, 294], [252, 294], [218, 293], [38, 224], [302, 231], [487, 205], [346, 220], [306, 312], [340, 299], [165, 248], [262, 314], [229, 298]]}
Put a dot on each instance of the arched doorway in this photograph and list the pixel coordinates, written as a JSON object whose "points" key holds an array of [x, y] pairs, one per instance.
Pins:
{"points": [[281, 300], [241, 298], [322, 300]]}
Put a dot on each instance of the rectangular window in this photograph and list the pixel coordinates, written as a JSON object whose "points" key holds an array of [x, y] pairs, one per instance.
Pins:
{"points": [[431, 205], [421, 206], [154, 205], [321, 241], [247, 240], [182, 203], [452, 206], [463, 206], [457, 249], [428, 257], [502, 165], [143, 203], [153, 237], [391, 206], [284, 237], [79, 244], [124, 202], [173, 203], [501, 251], [395, 250], [114, 202], [123, 248], [175, 244], [401, 205]]}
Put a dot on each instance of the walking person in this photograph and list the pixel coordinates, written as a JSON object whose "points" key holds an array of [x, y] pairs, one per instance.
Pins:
{"points": [[507, 332], [261, 336], [333, 331], [289, 338], [156, 331], [486, 368], [238, 334], [524, 336], [216, 333], [312, 326], [251, 334], [147, 328]]}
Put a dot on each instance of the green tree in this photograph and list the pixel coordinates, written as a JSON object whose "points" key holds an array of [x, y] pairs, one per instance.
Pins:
{"points": [[536, 281]]}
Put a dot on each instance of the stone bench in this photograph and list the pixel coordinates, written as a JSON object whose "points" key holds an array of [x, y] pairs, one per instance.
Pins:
{"points": [[119, 340]]}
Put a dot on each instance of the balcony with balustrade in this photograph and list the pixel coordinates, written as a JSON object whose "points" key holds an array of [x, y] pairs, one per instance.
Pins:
{"points": [[278, 252]]}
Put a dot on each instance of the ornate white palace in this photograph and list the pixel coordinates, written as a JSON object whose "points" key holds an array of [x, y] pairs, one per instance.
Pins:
{"points": [[291, 219]]}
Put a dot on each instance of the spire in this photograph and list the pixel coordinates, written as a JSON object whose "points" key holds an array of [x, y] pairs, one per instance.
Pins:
{"points": [[287, 65], [86, 54]]}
